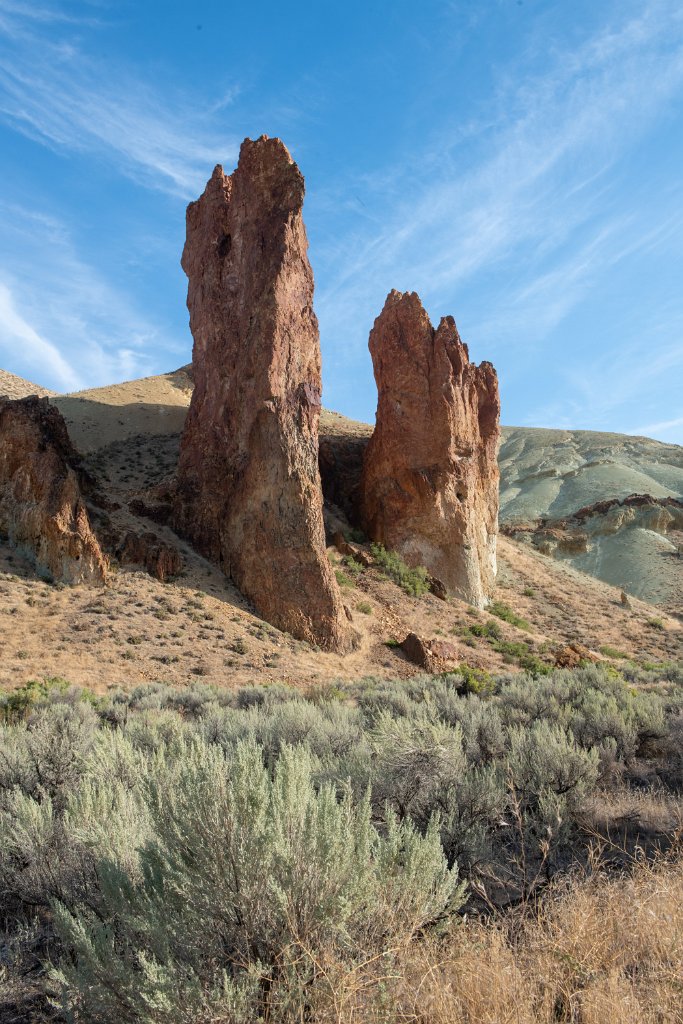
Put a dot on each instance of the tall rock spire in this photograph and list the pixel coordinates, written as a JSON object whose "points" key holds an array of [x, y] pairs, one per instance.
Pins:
{"points": [[429, 486], [249, 494]]}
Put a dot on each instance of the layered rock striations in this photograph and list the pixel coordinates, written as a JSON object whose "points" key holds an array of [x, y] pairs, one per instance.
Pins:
{"points": [[42, 507], [429, 485], [249, 493]]}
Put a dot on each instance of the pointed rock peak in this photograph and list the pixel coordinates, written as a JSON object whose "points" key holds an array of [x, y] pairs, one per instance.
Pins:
{"points": [[265, 151], [249, 493], [408, 300]]}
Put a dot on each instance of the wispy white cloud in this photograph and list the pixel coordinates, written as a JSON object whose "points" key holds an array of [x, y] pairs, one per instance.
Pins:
{"points": [[657, 429], [61, 322], [603, 394], [538, 209], [53, 92], [21, 343], [17, 12]]}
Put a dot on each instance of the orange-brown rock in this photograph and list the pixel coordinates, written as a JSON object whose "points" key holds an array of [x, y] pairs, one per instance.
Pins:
{"points": [[249, 494], [429, 487], [355, 551], [574, 655], [431, 655], [42, 507], [161, 560]]}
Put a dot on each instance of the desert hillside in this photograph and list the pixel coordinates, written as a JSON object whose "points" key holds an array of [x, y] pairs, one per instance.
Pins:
{"points": [[567, 492], [151, 406], [16, 387], [553, 473], [546, 477], [138, 629]]}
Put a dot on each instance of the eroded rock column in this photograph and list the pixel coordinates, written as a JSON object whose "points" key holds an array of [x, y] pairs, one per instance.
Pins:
{"points": [[249, 494], [429, 486]]}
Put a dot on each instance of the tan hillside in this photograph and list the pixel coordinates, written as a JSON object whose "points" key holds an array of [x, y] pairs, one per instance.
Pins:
{"points": [[16, 387], [199, 627], [151, 405], [138, 629]]}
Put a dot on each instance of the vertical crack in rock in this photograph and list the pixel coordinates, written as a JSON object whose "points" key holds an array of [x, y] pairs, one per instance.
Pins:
{"points": [[249, 494], [429, 486], [42, 509]]}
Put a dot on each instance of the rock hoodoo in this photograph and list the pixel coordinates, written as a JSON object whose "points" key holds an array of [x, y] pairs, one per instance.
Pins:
{"points": [[42, 509], [249, 494], [429, 486], [161, 560]]}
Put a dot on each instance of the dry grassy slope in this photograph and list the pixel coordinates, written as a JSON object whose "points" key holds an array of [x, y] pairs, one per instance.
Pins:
{"points": [[17, 387], [199, 627], [151, 406]]}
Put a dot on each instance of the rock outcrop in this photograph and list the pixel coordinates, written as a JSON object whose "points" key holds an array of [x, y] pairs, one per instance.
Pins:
{"points": [[249, 494], [429, 486], [42, 507], [431, 655], [161, 560]]}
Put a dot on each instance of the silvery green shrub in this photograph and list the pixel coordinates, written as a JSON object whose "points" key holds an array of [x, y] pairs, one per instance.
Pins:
{"points": [[245, 869]]}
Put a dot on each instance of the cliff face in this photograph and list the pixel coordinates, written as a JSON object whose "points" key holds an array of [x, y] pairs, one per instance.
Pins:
{"points": [[429, 485], [42, 510], [249, 494]]}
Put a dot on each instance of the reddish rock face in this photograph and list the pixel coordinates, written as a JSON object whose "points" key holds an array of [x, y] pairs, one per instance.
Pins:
{"points": [[249, 492], [429, 485], [42, 510], [161, 560]]}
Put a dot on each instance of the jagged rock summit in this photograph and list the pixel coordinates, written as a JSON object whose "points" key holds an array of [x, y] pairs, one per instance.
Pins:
{"points": [[249, 494], [429, 485], [42, 509]]}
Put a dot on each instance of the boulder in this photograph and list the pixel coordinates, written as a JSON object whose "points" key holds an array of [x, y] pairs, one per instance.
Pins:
{"points": [[429, 487], [438, 588], [42, 504], [431, 655], [573, 655], [355, 551], [248, 490]]}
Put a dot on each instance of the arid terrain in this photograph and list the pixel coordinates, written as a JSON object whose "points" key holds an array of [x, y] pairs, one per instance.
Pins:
{"points": [[548, 476], [137, 629]]}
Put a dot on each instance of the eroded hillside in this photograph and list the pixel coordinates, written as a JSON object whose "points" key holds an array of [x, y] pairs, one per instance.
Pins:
{"points": [[199, 627]]}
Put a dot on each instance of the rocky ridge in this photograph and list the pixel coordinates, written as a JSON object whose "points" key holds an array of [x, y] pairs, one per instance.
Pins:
{"points": [[198, 626]]}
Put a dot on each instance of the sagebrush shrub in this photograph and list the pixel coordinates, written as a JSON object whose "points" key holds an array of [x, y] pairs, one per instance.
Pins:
{"points": [[194, 854], [244, 866]]}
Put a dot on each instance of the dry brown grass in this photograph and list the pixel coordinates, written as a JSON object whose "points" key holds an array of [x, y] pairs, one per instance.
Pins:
{"points": [[16, 387], [599, 951]]}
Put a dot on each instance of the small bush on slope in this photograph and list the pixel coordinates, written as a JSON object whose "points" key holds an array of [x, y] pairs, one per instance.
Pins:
{"points": [[413, 581]]}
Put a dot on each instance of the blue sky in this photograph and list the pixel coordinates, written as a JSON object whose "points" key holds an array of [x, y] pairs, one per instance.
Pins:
{"points": [[517, 162]]}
